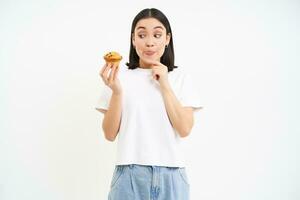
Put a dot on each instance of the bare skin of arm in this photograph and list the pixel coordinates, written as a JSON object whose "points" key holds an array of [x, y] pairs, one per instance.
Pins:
{"points": [[181, 118], [112, 117]]}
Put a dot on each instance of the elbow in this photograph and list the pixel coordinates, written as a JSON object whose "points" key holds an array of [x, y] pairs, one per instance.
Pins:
{"points": [[185, 131], [186, 128], [108, 134], [184, 134], [109, 138]]}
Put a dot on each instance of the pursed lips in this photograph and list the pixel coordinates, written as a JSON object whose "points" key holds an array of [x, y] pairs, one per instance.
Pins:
{"points": [[149, 53]]}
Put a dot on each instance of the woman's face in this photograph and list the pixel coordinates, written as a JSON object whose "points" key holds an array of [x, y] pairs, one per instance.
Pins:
{"points": [[149, 39]]}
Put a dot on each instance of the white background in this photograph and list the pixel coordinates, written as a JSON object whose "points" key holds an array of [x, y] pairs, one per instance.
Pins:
{"points": [[243, 55]]}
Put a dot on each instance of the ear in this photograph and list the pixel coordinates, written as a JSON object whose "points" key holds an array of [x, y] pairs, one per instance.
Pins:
{"points": [[168, 38], [133, 39]]}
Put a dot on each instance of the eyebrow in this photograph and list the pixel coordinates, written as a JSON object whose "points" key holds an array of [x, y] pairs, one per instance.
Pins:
{"points": [[142, 27]]}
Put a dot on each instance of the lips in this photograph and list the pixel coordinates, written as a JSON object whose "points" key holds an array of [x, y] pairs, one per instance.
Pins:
{"points": [[149, 53]]}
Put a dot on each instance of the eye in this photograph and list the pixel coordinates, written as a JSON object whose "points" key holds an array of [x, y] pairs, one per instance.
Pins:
{"points": [[157, 35], [141, 35]]}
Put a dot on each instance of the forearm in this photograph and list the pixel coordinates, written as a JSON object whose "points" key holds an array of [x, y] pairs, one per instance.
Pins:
{"points": [[112, 118], [181, 120]]}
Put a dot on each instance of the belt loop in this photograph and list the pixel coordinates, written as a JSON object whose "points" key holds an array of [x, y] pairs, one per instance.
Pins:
{"points": [[131, 166]]}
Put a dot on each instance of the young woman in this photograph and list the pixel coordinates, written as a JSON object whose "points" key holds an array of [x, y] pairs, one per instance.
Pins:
{"points": [[150, 107]]}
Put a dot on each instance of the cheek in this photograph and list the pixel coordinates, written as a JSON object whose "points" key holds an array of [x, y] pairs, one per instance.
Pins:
{"points": [[139, 51], [139, 42], [161, 50], [139, 46]]}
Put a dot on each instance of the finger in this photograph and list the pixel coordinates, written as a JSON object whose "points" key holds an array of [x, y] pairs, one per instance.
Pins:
{"points": [[155, 75], [154, 62], [103, 68], [105, 73], [101, 73], [110, 78], [150, 61], [116, 73]]}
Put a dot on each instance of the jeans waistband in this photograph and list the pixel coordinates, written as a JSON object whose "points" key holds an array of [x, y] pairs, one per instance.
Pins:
{"points": [[147, 166]]}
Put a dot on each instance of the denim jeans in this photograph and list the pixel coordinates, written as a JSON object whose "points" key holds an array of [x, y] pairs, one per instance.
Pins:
{"points": [[145, 182]]}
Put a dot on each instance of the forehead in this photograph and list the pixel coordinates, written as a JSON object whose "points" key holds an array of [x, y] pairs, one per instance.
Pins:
{"points": [[149, 24]]}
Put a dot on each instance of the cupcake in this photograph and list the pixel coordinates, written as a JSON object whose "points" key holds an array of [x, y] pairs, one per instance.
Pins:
{"points": [[112, 57]]}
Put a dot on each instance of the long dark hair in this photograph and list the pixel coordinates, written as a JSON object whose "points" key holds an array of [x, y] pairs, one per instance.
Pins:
{"points": [[168, 57]]}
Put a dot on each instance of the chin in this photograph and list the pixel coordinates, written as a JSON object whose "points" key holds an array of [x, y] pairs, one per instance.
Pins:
{"points": [[145, 59]]}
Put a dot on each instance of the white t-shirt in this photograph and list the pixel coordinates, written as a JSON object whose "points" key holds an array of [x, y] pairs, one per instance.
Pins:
{"points": [[146, 136]]}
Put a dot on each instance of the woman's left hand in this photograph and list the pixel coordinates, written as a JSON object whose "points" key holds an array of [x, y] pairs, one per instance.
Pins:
{"points": [[159, 72]]}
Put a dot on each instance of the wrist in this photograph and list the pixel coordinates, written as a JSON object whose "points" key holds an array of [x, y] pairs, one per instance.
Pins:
{"points": [[165, 86], [117, 93]]}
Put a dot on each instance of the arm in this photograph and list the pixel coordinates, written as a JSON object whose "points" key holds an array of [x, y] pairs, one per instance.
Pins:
{"points": [[112, 117], [181, 118]]}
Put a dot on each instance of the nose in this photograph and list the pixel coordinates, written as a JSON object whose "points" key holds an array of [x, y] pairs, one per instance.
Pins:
{"points": [[149, 42], [149, 45]]}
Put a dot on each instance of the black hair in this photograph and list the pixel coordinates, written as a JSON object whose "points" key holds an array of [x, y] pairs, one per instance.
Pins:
{"points": [[168, 57]]}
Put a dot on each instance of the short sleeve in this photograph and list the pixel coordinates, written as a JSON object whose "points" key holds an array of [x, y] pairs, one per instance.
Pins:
{"points": [[103, 98], [189, 95]]}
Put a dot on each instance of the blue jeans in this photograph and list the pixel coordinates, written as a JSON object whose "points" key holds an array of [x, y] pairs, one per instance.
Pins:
{"points": [[141, 182]]}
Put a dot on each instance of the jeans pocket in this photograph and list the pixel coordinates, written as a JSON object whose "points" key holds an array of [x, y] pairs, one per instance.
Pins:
{"points": [[184, 176], [119, 170]]}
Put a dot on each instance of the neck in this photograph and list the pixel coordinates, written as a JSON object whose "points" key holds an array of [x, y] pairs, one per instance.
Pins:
{"points": [[144, 65]]}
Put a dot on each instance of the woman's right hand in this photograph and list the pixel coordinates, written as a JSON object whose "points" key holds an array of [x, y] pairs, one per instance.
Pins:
{"points": [[111, 79]]}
